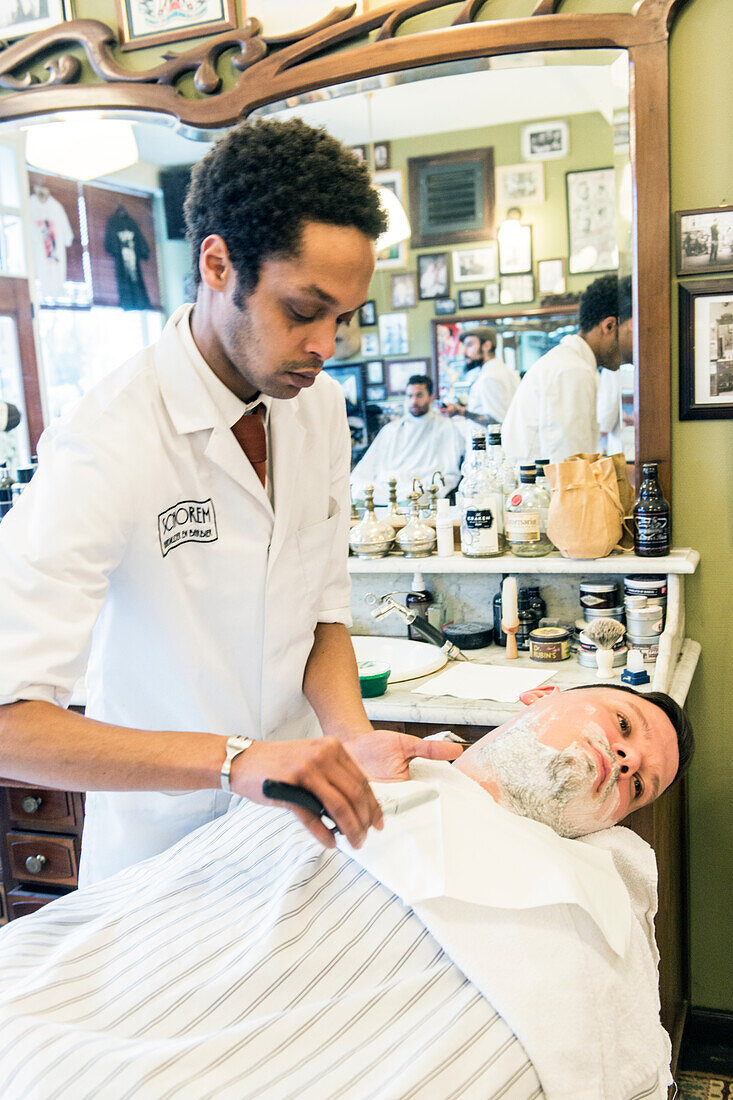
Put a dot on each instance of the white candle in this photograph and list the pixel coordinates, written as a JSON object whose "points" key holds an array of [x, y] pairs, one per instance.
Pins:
{"points": [[509, 616]]}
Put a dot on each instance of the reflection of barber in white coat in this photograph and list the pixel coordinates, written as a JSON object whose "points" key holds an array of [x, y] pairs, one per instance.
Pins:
{"points": [[553, 413], [493, 385], [203, 586], [416, 445]]}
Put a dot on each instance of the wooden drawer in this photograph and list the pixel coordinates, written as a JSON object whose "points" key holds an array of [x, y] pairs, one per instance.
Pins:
{"points": [[47, 859], [22, 902], [43, 809]]}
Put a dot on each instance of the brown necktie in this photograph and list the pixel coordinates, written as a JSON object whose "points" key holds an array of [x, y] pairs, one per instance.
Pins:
{"points": [[249, 431]]}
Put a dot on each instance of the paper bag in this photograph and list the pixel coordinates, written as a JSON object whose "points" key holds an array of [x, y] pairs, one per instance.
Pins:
{"points": [[586, 517]]}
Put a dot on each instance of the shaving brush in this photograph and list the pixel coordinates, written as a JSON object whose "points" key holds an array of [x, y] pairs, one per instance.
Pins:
{"points": [[509, 615], [604, 633]]}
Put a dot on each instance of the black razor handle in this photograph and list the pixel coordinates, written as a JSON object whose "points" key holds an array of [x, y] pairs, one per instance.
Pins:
{"points": [[297, 796]]}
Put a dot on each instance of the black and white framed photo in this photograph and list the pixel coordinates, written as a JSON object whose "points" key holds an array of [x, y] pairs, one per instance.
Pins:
{"points": [[18, 18], [470, 299], [382, 155], [520, 184], [706, 350], [545, 140], [515, 248], [516, 289], [395, 256], [551, 277], [376, 393], [404, 290], [368, 313], [591, 199], [704, 240], [443, 307], [473, 264], [393, 338], [359, 151], [491, 294], [369, 345], [398, 372], [432, 275], [374, 372]]}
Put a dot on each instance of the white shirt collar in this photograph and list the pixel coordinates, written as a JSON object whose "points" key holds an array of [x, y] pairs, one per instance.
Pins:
{"points": [[581, 348]]}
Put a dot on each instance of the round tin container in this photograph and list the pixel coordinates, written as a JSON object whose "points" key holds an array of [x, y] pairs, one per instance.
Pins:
{"points": [[645, 622], [373, 677], [587, 653], [469, 635], [595, 595], [648, 650], [590, 613], [652, 586], [549, 643]]}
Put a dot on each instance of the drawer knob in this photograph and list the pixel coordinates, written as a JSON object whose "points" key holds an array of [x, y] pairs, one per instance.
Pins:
{"points": [[31, 803], [35, 864]]}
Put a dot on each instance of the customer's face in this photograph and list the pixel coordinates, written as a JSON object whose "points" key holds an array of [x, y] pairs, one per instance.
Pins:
{"points": [[418, 400], [578, 761]]}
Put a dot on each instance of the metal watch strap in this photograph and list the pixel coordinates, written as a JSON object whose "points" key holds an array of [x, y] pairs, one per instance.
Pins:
{"points": [[235, 745]]}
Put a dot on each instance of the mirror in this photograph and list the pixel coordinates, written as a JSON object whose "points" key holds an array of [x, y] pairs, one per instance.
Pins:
{"points": [[582, 84]]}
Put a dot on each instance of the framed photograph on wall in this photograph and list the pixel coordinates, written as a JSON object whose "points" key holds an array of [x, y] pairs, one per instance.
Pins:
{"points": [[444, 306], [591, 199], [704, 240], [396, 256], [545, 140], [376, 393], [473, 264], [515, 248], [393, 338], [470, 299], [374, 372], [144, 24], [19, 19], [516, 289], [359, 151], [491, 294], [404, 290], [369, 345], [397, 372], [382, 155], [520, 184], [706, 350], [551, 276], [432, 275], [368, 313]]}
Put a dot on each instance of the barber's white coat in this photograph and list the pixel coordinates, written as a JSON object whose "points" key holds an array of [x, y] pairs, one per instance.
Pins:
{"points": [[493, 390], [208, 636]]}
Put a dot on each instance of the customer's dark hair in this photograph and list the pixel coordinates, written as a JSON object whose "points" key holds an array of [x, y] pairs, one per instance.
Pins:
{"points": [[599, 300], [673, 711], [421, 380], [259, 185], [625, 305]]}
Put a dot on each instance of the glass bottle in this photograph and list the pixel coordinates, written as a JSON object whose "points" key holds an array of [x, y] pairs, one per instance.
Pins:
{"points": [[541, 479], [481, 506], [370, 537], [418, 599], [525, 517], [528, 619], [652, 520], [497, 458], [6, 490], [536, 602]]}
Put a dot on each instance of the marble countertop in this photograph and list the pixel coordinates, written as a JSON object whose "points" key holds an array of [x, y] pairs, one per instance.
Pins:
{"points": [[679, 560]]}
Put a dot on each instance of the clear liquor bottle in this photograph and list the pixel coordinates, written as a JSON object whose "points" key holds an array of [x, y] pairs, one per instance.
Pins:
{"points": [[497, 458], [525, 517], [481, 504]]}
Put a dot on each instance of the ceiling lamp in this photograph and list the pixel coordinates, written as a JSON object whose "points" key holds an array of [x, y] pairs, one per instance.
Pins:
{"points": [[398, 224], [81, 149]]}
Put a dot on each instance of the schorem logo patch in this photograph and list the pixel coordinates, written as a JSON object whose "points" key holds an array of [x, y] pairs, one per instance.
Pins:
{"points": [[187, 521]]}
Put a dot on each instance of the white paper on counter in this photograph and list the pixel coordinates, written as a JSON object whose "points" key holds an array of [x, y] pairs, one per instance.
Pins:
{"points": [[474, 681]]}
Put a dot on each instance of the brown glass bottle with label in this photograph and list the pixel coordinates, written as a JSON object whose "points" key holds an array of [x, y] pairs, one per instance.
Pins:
{"points": [[652, 520]]}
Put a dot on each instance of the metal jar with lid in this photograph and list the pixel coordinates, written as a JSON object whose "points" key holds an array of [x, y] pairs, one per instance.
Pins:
{"points": [[549, 643], [597, 595]]}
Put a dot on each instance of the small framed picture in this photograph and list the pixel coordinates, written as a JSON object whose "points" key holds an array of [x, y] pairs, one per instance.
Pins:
{"points": [[393, 338], [369, 345], [145, 24], [359, 151], [398, 372], [404, 290], [591, 198], [491, 294], [432, 275], [444, 306], [470, 299], [520, 184], [551, 276], [516, 289], [706, 350], [515, 248], [382, 155], [368, 313], [472, 264], [395, 256], [18, 19], [374, 372], [376, 393], [545, 140], [704, 240]]}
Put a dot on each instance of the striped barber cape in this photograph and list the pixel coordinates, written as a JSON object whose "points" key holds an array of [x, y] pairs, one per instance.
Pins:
{"points": [[245, 962]]}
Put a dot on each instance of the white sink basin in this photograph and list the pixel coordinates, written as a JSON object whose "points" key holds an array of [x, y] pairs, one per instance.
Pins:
{"points": [[407, 659]]}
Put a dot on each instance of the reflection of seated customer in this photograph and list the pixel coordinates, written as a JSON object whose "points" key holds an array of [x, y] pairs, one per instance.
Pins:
{"points": [[249, 961], [416, 445], [493, 384]]}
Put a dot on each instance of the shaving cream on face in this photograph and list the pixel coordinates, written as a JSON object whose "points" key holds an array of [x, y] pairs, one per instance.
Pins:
{"points": [[553, 786]]}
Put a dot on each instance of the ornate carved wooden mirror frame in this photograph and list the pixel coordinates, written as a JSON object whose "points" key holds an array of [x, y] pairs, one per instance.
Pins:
{"points": [[272, 68]]}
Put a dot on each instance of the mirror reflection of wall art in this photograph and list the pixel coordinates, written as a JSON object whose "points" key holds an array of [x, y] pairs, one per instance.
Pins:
{"points": [[359, 151], [404, 290], [397, 374], [393, 338], [516, 288], [19, 18], [470, 299], [491, 294], [704, 240], [396, 256], [473, 264], [706, 350], [545, 140], [591, 221], [368, 313], [432, 275], [522, 184], [374, 372], [382, 155], [515, 248], [376, 393], [152, 22], [551, 277], [369, 345], [444, 307]]}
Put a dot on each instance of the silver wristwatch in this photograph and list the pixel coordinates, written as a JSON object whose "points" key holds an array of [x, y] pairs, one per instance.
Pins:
{"points": [[235, 745]]}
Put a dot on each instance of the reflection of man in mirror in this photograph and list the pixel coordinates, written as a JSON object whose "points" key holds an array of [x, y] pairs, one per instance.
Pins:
{"points": [[714, 234], [416, 445], [553, 413], [610, 382], [493, 384]]}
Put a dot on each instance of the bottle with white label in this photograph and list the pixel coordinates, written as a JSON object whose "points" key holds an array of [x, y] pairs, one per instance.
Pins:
{"points": [[481, 504], [525, 517]]}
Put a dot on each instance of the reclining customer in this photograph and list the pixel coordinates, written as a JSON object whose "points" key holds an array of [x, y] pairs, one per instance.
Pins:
{"points": [[463, 951]]}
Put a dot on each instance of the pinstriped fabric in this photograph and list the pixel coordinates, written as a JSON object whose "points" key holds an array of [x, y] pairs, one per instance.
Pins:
{"points": [[246, 962]]}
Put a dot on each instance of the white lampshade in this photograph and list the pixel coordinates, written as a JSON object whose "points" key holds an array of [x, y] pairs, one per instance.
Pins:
{"points": [[81, 149], [398, 224]]}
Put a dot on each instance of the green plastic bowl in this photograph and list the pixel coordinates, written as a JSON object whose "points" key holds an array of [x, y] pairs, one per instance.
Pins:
{"points": [[373, 677]]}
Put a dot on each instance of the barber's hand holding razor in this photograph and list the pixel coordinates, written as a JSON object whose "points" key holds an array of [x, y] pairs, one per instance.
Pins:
{"points": [[385, 755]]}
